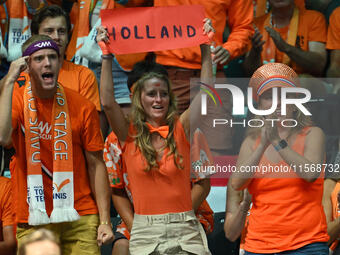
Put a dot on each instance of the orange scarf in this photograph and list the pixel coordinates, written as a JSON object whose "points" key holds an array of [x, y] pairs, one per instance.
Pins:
{"points": [[19, 28], [63, 195], [82, 11], [269, 48]]}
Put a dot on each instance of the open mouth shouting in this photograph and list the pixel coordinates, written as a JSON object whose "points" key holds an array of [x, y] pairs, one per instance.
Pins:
{"points": [[48, 77]]}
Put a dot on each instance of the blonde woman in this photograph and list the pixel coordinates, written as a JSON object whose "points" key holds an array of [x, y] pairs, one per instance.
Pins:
{"points": [[156, 156]]}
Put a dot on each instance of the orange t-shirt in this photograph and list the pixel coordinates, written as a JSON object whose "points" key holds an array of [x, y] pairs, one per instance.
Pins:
{"points": [[240, 19], [335, 209], [78, 78], [6, 211], [118, 179], [287, 213], [333, 35], [164, 190], [86, 135], [261, 6], [300, 4], [311, 28]]}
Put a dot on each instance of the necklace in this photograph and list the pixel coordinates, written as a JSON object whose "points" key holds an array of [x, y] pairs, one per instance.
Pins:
{"points": [[271, 21]]}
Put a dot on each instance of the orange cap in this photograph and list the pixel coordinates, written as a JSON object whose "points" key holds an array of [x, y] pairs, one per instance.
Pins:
{"points": [[272, 75]]}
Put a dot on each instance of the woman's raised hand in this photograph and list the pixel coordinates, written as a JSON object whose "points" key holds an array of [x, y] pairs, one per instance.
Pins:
{"points": [[103, 40], [208, 28]]}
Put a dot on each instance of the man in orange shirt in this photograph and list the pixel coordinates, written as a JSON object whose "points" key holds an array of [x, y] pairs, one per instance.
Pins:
{"points": [[58, 174], [7, 237], [333, 44], [289, 35], [55, 22]]}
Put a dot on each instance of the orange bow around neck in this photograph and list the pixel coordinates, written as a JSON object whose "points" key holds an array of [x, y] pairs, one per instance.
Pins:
{"points": [[162, 130]]}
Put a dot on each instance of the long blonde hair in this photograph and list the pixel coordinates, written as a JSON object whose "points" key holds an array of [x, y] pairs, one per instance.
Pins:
{"points": [[138, 118]]}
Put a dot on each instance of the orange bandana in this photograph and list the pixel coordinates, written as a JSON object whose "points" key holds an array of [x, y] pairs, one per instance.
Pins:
{"points": [[162, 130], [269, 48], [63, 195]]}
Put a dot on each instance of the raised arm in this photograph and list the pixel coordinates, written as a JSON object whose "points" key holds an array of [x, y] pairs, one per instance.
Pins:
{"points": [[6, 90], [112, 109], [206, 77]]}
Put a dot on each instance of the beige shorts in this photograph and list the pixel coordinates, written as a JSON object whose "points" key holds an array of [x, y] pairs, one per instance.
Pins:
{"points": [[173, 233]]}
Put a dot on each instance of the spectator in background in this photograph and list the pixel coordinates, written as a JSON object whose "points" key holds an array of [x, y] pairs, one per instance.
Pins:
{"points": [[40, 242], [331, 205], [261, 7], [65, 189], [184, 64], [324, 6], [83, 49], [287, 215], [55, 22], [333, 44], [303, 48], [7, 236]]}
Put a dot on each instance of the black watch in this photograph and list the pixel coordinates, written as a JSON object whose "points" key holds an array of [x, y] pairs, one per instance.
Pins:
{"points": [[281, 145]]}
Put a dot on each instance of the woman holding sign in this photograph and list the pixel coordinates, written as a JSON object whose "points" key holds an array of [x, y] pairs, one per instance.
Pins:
{"points": [[156, 156], [282, 169]]}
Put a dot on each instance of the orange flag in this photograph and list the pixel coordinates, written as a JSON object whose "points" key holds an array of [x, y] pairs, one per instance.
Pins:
{"points": [[133, 30]]}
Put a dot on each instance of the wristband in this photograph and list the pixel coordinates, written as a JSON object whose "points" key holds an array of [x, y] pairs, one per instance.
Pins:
{"points": [[108, 56], [105, 223], [105, 49], [281, 145]]}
